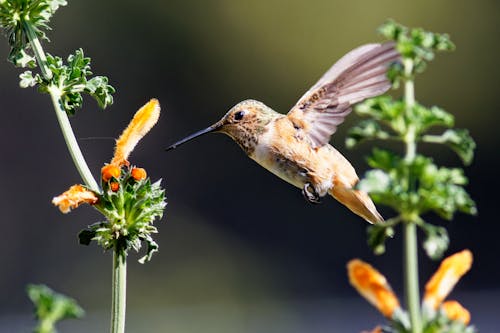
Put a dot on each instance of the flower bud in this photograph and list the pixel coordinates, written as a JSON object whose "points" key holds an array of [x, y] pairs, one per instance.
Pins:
{"points": [[110, 171], [138, 174]]}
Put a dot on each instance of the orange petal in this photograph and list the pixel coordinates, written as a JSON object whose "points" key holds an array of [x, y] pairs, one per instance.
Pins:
{"points": [[143, 121], [455, 311], [72, 198], [373, 286], [445, 278]]}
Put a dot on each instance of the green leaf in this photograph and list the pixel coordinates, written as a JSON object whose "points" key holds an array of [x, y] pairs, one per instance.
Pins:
{"points": [[377, 235], [71, 80], [461, 143], [22, 59], [51, 307], [28, 80], [436, 240], [365, 130], [86, 236], [385, 110], [425, 118]]}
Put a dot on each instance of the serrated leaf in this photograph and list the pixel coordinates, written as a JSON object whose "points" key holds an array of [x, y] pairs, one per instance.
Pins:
{"points": [[28, 80], [461, 142], [425, 118], [51, 307]]}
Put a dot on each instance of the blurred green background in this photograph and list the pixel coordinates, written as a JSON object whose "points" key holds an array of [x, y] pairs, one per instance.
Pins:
{"points": [[240, 250]]}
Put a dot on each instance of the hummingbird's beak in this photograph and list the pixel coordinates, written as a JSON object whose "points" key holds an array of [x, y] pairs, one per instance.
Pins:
{"points": [[209, 129]]}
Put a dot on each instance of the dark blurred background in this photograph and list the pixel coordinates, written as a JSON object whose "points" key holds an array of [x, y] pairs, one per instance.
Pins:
{"points": [[240, 250]]}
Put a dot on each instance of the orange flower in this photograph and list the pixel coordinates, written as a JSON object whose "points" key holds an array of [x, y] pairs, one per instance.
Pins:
{"points": [[373, 286], [445, 278], [138, 174], [455, 311], [110, 171], [72, 198], [143, 121]]}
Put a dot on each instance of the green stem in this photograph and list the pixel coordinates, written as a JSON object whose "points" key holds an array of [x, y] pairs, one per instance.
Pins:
{"points": [[69, 137], [62, 116], [411, 276], [412, 294], [37, 50], [119, 291]]}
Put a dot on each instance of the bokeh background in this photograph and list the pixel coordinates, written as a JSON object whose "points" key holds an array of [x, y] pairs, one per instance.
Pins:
{"points": [[240, 250]]}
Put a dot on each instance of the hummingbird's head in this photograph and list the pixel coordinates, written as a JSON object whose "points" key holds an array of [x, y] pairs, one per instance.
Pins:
{"points": [[244, 123]]}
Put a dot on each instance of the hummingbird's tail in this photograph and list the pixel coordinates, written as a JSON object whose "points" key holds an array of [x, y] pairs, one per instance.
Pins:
{"points": [[358, 202]]}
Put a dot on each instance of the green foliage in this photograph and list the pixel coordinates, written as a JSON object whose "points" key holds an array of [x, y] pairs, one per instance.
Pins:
{"points": [[51, 307], [414, 44], [412, 184], [70, 80], [25, 22], [130, 211], [15, 15]]}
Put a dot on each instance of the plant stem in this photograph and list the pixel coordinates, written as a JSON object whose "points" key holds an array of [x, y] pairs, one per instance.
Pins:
{"points": [[409, 227], [119, 291], [62, 116], [119, 286], [411, 276], [69, 137]]}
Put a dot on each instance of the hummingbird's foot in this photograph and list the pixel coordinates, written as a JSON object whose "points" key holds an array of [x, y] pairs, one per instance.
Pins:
{"points": [[310, 194]]}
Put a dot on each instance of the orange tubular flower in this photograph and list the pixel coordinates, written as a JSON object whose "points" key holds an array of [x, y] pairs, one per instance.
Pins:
{"points": [[373, 286], [138, 174], [455, 311], [143, 121], [72, 198], [445, 278]]}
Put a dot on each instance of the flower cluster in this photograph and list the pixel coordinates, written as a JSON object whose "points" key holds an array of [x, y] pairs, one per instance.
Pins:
{"points": [[128, 200], [438, 315]]}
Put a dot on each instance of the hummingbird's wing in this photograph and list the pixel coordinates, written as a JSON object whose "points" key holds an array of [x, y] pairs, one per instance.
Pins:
{"points": [[358, 75]]}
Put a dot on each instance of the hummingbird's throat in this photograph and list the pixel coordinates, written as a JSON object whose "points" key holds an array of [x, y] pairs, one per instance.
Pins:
{"points": [[246, 139]]}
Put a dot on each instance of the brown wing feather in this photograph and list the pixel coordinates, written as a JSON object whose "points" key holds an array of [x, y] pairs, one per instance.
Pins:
{"points": [[358, 75]]}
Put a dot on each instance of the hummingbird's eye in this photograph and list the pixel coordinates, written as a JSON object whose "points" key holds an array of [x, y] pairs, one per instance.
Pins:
{"points": [[239, 115]]}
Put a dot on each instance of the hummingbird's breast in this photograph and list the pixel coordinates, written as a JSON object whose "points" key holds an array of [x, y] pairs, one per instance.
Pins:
{"points": [[286, 152]]}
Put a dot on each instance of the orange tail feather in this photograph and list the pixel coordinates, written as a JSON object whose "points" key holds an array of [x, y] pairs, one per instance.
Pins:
{"points": [[358, 202]]}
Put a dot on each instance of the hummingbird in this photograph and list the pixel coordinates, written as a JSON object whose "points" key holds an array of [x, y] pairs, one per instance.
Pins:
{"points": [[295, 146]]}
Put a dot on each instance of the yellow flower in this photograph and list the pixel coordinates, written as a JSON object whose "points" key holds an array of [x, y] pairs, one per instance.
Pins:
{"points": [[143, 121], [72, 198], [445, 278], [455, 311], [373, 286]]}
